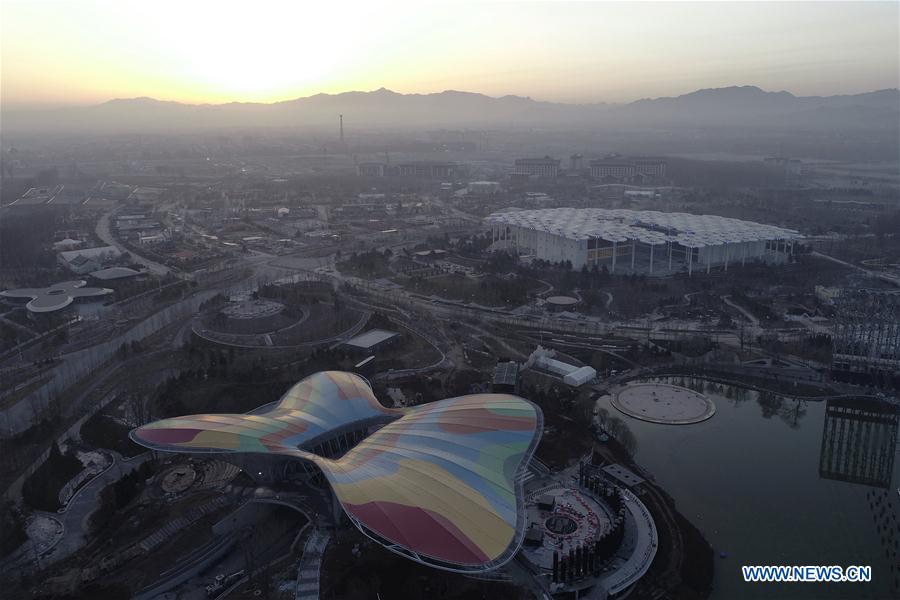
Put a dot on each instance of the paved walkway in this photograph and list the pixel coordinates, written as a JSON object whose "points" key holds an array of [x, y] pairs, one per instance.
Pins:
{"points": [[75, 517], [749, 315], [83, 504], [311, 565]]}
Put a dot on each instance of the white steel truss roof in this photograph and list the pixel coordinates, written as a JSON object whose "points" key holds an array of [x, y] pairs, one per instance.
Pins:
{"points": [[645, 226]]}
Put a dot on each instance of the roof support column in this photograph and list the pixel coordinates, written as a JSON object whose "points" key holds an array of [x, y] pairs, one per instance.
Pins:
{"points": [[651, 259], [670, 255], [726, 256], [690, 251], [615, 251], [708, 261], [743, 253], [633, 248]]}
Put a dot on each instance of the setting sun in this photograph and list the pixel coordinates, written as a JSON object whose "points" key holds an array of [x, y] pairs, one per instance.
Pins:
{"points": [[88, 52]]}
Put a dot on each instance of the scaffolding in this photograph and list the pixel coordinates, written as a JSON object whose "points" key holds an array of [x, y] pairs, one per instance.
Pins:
{"points": [[859, 440], [867, 332]]}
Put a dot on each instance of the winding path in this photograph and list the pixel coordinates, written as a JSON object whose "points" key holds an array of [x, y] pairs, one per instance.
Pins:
{"points": [[75, 517], [105, 234]]}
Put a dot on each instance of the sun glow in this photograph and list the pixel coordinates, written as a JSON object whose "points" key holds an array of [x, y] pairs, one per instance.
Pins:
{"points": [[269, 56], [88, 51]]}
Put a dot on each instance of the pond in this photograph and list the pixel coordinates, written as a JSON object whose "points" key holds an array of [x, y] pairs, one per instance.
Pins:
{"points": [[771, 480]]}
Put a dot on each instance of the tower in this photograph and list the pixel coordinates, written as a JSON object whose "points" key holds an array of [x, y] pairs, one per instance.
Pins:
{"points": [[342, 128]]}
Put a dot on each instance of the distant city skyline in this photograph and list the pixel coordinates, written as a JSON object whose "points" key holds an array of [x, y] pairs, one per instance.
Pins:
{"points": [[89, 51]]}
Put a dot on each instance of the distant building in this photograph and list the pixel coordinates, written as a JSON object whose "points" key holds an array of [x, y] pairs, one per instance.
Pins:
{"points": [[537, 167], [506, 378], [543, 359], [370, 169], [146, 194], [534, 536], [66, 244], [55, 297], [415, 169], [86, 260], [425, 170], [483, 188], [643, 194], [646, 241], [602, 169], [576, 162], [37, 195], [651, 166], [82, 264], [859, 441], [561, 303], [866, 341], [114, 273], [152, 238], [372, 340], [618, 168]]}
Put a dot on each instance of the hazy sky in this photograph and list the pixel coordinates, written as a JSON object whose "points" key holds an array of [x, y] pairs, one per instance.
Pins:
{"points": [[82, 52]]}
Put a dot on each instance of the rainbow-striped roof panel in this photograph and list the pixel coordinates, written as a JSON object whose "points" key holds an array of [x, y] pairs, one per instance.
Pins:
{"points": [[438, 484], [312, 408]]}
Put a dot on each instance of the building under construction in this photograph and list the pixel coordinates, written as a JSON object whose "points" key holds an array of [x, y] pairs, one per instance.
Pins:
{"points": [[866, 347], [859, 440]]}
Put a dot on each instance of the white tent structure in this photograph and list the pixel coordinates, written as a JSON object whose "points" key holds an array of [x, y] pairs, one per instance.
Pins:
{"points": [[542, 358], [639, 241]]}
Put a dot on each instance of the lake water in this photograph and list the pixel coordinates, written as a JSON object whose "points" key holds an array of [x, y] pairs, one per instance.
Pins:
{"points": [[749, 479]]}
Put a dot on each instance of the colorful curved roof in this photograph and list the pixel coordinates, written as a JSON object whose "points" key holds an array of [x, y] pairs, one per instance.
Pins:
{"points": [[315, 406], [438, 484]]}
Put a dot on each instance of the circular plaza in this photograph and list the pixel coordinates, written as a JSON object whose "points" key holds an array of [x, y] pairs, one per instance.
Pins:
{"points": [[663, 403]]}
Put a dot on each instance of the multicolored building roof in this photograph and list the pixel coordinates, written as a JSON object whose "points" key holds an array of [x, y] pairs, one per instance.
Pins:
{"points": [[438, 483]]}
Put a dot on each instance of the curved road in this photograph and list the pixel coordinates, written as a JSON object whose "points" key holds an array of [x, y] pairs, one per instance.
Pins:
{"points": [[104, 233]]}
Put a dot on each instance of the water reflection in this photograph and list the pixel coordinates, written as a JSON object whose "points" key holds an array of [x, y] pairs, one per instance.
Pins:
{"points": [[747, 478], [616, 428], [859, 440], [789, 410]]}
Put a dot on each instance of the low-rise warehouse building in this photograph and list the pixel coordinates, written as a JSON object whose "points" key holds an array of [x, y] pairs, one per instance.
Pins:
{"points": [[506, 378], [85, 260], [372, 340]]}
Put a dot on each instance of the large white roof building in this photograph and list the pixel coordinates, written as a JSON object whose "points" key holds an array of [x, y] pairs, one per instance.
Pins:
{"points": [[638, 241]]}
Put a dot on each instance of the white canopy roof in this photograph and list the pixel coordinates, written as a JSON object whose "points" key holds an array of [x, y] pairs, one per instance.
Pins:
{"points": [[648, 227]]}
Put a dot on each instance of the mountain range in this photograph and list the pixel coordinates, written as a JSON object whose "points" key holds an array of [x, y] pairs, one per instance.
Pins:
{"points": [[744, 107]]}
